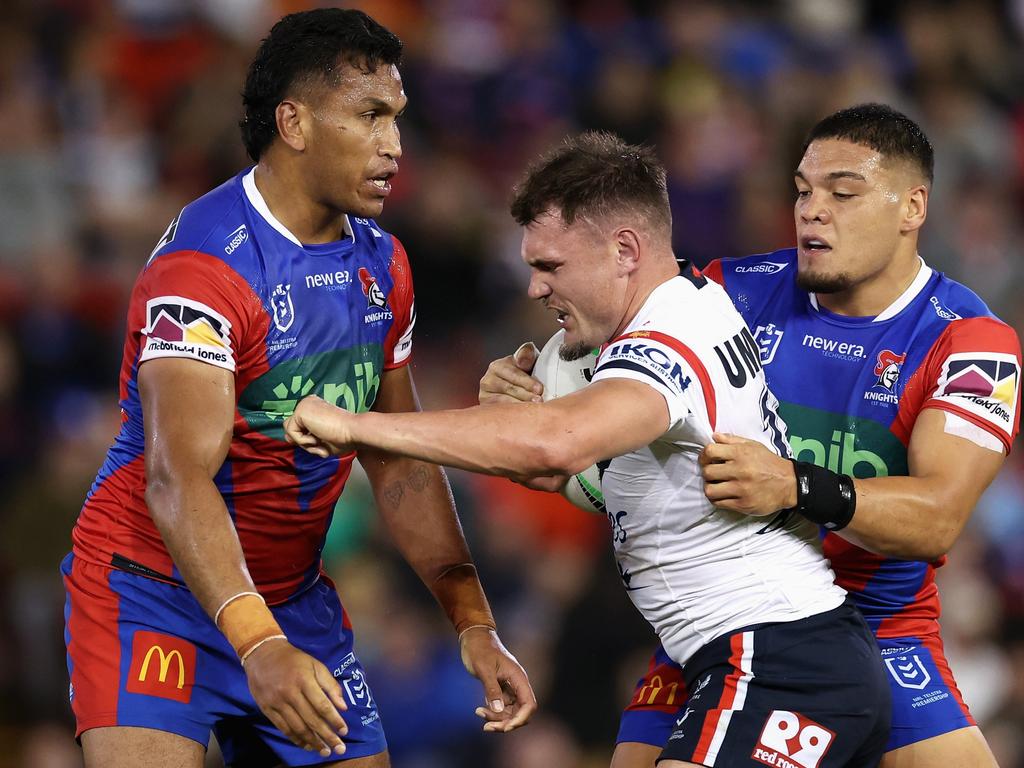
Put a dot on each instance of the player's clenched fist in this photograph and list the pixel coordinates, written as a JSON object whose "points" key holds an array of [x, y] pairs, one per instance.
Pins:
{"points": [[299, 695], [319, 427], [508, 379]]}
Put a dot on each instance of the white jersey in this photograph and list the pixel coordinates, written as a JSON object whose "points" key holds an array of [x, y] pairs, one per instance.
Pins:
{"points": [[696, 572]]}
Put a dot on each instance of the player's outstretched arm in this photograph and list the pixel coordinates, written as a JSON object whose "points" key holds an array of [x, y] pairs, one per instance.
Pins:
{"points": [[416, 503], [559, 437], [916, 517], [508, 379], [188, 411]]}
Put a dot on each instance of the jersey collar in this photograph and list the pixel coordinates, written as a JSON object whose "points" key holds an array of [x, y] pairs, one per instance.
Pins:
{"points": [[257, 202], [924, 274]]}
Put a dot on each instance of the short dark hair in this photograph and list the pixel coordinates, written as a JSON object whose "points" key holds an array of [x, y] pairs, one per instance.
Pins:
{"points": [[887, 131], [593, 175], [300, 49]]}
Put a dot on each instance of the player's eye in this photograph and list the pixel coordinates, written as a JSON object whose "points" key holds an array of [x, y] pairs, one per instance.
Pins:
{"points": [[842, 195], [802, 193]]}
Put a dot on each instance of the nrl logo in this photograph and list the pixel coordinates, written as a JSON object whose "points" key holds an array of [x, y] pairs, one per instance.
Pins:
{"points": [[374, 295], [284, 310]]}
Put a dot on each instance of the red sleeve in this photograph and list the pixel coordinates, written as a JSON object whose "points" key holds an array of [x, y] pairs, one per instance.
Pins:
{"points": [[192, 305], [713, 271], [972, 370], [398, 343]]}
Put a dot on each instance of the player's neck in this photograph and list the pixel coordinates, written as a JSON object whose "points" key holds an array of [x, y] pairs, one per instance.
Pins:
{"points": [[288, 200], [871, 297], [643, 286]]}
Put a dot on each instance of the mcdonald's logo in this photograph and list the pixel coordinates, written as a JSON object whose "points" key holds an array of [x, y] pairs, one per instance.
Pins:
{"points": [[162, 665]]}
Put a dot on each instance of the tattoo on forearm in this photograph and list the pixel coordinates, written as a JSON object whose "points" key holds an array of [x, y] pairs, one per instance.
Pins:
{"points": [[418, 479], [393, 493], [417, 483]]}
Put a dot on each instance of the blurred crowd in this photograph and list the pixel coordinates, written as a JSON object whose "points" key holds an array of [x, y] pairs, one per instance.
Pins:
{"points": [[115, 113]]}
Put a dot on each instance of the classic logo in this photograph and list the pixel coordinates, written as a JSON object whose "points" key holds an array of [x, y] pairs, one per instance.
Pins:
{"points": [[374, 295], [764, 268], [180, 327], [235, 239], [162, 665], [984, 383], [790, 740], [767, 338], [942, 312], [908, 671], [284, 310]]}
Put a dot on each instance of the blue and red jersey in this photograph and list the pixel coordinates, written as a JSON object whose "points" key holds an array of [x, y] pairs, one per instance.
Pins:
{"points": [[228, 285], [851, 389]]}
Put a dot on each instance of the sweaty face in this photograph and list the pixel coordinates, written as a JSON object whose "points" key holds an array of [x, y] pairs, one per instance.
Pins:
{"points": [[573, 273], [353, 142], [849, 209]]}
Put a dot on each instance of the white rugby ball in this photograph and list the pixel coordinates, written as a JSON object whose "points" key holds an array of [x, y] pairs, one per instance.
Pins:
{"points": [[562, 377]]}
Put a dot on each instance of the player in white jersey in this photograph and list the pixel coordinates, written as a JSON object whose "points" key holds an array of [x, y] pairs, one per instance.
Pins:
{"points": [[674, 550], [747, 606]]}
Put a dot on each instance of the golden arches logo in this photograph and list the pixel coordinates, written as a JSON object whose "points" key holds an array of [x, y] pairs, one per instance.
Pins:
{"points": [[165, 665]]}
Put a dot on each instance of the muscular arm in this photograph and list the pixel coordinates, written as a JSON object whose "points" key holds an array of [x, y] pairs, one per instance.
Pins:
{"points": [[920, 517], [188, 408], [561, 436], [414, 499], [417, 506], [916, 517]]}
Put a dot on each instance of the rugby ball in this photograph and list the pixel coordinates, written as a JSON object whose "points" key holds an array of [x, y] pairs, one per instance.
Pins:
{"points": [[562, 377]]}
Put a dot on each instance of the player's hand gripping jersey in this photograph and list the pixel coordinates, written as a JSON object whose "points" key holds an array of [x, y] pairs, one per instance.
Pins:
{"points": [[228, 285], [693, 571], [851, 389]]}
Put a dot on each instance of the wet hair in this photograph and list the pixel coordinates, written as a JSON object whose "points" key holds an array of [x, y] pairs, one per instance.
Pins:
{"points": [[301, 51], [890, 133], [593, 176]]}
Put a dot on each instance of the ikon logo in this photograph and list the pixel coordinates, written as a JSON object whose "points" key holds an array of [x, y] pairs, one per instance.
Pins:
{"points": [[790, 740]]}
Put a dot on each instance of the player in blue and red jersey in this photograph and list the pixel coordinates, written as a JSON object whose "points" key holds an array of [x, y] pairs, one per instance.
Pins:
{"points": [[196, 600], [886, 371]]}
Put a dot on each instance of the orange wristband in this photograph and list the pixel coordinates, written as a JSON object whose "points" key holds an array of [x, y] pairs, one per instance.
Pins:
{"points": [[458, 591], [246, 622]]}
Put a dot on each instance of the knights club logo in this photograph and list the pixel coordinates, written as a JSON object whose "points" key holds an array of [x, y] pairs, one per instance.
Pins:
{"points": [[284, 310], [374, 295], [887, 369]]}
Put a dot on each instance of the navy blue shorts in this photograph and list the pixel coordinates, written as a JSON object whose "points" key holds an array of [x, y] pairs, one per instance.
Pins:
{"points": [[143, 653], [925, 699], [810, 693]]}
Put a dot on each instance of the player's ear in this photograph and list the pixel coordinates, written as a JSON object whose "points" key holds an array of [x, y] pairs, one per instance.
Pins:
{"points": [[627, 246], [915, 209], [292, 119]]}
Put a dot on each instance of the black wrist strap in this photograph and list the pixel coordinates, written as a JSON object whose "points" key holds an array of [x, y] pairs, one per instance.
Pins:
{"points": [[823, 496]]}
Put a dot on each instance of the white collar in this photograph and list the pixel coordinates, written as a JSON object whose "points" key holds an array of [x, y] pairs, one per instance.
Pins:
{"points": [[256, 199], [924, 274]]}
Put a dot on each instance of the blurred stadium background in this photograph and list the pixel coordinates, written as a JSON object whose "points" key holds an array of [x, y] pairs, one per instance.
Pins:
{"points": [[114, 113]]}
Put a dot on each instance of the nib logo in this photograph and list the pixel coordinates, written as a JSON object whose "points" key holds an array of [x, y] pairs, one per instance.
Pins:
{"points": [[287, 397]]}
